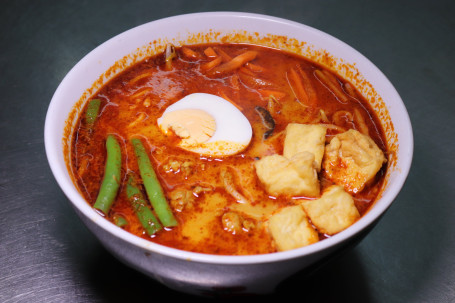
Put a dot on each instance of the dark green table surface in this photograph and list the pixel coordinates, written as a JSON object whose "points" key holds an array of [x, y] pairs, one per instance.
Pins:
{"points": [[48, 255]]}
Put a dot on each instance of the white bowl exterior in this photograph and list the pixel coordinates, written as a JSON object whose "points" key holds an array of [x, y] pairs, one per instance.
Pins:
{"points": [[260, 272]]}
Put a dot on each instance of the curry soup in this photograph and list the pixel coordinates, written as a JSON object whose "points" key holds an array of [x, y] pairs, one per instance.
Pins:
{"points": [[312, 165]]}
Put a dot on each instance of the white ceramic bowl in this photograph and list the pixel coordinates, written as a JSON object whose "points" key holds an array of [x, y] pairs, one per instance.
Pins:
{"points": [[202, 273]]}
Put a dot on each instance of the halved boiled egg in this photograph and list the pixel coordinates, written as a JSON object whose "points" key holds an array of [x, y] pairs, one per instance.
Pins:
{"points": [[207, 124]]}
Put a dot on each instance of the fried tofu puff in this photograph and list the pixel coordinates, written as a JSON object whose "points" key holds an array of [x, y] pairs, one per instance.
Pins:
{"points": [[352, 160], [333, 212], [290, 228], [296, 176], [305, 138]]}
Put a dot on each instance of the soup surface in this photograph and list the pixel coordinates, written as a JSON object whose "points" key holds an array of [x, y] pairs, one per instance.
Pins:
{"points": [[308, 163]]}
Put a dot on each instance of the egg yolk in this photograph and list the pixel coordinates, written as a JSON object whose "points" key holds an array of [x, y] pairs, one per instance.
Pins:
{"points": [[193, 126]]}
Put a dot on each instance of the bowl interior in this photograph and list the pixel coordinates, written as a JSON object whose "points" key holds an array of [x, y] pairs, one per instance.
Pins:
{"points": [[132, 46]]}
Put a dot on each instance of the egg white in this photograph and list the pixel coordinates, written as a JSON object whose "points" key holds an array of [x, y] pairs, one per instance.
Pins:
{"points": [[233, 130]]}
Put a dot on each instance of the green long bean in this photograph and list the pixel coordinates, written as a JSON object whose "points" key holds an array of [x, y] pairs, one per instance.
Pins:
{"points": [[111, 179], [139, 204], [152, 185], [119, 220], [91, 114]]}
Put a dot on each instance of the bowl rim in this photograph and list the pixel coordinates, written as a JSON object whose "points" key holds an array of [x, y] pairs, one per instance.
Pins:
{"points": [[83, 207]]}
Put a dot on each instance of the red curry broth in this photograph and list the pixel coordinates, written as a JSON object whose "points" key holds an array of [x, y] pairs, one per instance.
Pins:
{"points": [[132, 102]]}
